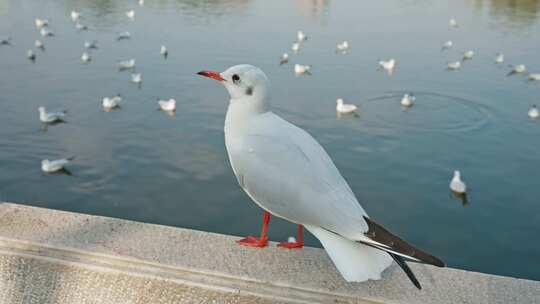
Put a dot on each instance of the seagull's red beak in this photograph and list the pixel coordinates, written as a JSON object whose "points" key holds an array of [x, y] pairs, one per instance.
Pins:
{"points": [[211, 74]]}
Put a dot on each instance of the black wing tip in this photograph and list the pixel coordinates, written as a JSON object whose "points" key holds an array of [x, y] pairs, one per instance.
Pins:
{"points": [[403, 265]]}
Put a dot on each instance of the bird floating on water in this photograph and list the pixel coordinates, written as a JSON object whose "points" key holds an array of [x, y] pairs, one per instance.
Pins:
{"points": [[388, 65], [295, 47], [123, 36], [81, 27], [468, 55], [517, 69], [45, 32], [300, 69], [126, 64], [342, 47], [301, 37], [453, 23], [163, 51], [455, 65], [141, 2], [499, 58], [85, 57], [5, 40], [457, 185], [90, 45], [51, 117], [136, 78], [75, 16], [51, 166], [131, 14], [408, 100], [447, 45], [39, 44], [534, 77], [275, 162], [284, 59], [167, 105], [41, 23], [31, 55], [110, 103], [533, 112], [345, 108]]}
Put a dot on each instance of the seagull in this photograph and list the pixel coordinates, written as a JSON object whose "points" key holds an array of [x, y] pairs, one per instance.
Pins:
{"points": [[31, 55], [517, 69], [167, 105], [286, 172], [75, 16], [295, 47], [468, 55], [533, 112], [39, 44], [457, 185], [126, 64], [41, 23], [284, 59], [534, 77], [123, 36], [141, 2], [300, 69], [453, 65], [131, 14], [388, 65], [136, 78], [408, 100], [447, 45], [163, 51], [90, 45], [453, 23], [51, 117], [344, 108], [81, 27], [85, 57], [301, 37], [5, 40], [342, 47], [51, 166], [499, 58], [110, 103], [45, 32]]}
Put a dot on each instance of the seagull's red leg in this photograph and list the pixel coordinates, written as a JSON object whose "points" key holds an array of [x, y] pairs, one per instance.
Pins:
{"points": [[299, 242], [252, 241]]}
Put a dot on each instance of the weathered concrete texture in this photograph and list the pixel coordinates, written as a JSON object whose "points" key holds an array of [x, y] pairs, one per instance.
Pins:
{"points": [[40, 248]]}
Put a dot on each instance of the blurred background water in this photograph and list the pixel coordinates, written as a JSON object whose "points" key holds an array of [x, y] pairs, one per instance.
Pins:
{"points": [[141, 164]]}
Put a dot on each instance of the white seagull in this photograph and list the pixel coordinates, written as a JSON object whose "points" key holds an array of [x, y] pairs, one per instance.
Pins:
{"points": [[126, 64], [499, 58], [51, 117], [453, 65], [295, 47], [408, 100], [136, 78], [344, 108], [75, 16], [457, 185], [131, 14], [453, 22], [388, 65], [517, 69], [51, 166], [81, 27], [286, 172], [163, 51], [45, 32], [39, 44], [300, 36], [534, 77], [300, 69], [468, 55], [31, 55], [123, 36], [41, 23], [90, 45], [533, 112], [85, 57], [284, 59], [342, 47], [447, 45], [167, 105], [141, 2], [110, 103]]}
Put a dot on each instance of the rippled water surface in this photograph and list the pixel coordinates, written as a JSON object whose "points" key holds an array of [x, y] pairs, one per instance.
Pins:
{"points": [[141, 164]]}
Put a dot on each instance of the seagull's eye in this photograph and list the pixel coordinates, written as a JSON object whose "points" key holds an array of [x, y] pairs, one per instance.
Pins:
{"points": [[236, 78]]}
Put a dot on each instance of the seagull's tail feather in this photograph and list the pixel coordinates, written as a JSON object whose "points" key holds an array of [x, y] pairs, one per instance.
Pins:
{"points": [[355, 261]]}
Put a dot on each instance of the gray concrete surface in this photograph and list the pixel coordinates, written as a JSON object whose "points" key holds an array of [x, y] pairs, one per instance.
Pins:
{"points": [[49, 256]]}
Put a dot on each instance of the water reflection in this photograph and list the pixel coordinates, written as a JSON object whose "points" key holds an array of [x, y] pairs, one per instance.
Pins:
{"points": [[511, 13], [205, 8], [315, 10]]}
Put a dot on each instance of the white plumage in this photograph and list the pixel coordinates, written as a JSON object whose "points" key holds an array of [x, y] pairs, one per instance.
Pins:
{"points": [[533, 112], [342, 107], [51, 117], [167, 105], [300, 69], [457, 185], [51, 166]]}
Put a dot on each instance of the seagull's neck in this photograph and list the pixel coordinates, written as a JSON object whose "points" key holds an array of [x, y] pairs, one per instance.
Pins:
{"points": [[240, 112]]}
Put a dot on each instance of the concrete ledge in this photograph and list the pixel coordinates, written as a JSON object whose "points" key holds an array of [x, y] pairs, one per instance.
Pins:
{"points": [[51, 256]]}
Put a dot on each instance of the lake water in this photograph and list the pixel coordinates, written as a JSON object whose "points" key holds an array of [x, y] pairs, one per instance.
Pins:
{"points": [[140, 164]]}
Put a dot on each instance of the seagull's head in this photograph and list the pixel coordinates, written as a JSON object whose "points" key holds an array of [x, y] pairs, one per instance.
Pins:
{"points": [[247, 85], [457, 174], [41, 109]]}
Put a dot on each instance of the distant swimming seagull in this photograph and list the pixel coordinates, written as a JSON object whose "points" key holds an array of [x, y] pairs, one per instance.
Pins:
{"points": [[300, 36], [284, 59], [453, 65], [163, 51], [457, 185], [123, 36], [110, 103], [31, 55], [447, 45], [499, 58], [131, 14], [51, 166], [81, 27], [75, 16], [167, 105], [534, 77], [408, 100], [388, 65], [39, 44], [141, 2], [5, 40], [468, 55], [295, 47], [85, 57], [300, 69], [136, 78], [41, 23], [45, 32], [342, 47], [344, 108], [453, 23], [51, 117], [533, 112], [126, 64], [90, 45], [517, 69]]}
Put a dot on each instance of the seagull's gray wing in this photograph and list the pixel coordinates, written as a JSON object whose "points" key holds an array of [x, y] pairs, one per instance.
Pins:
{"points": [[288, 173]]}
